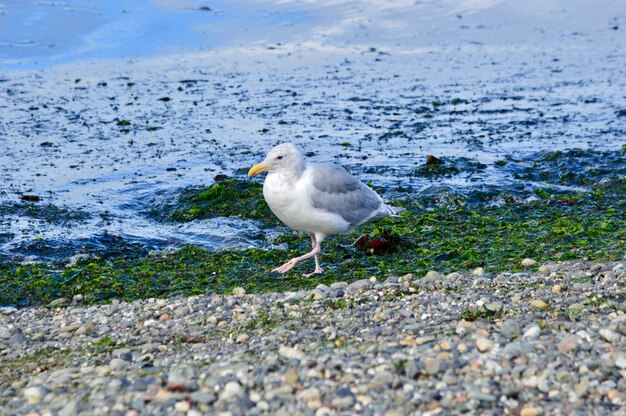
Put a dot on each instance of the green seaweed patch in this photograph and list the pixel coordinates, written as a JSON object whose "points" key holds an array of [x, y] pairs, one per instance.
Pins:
{"points": [[230, 198], [45, 212], [435, 238]]}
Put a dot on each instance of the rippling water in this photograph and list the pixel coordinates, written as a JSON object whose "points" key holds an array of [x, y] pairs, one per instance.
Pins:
{"points": [[106, 108]]}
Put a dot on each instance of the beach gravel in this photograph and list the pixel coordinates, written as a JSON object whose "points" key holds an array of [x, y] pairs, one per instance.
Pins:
{"points": [[394, 345]]}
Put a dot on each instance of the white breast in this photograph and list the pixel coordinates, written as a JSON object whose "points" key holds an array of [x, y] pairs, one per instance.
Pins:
{"points": [[288, 198]]}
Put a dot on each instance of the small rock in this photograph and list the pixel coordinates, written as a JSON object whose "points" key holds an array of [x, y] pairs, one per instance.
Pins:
{"points": [[568, 344], [532, 332], [338, 285], [495, 306], [203, 397], [311, 397], [78, 298], [242, 338], [291, 377], [423, 340], [409, 277], [432, 365], [59, 302], [432, 276], [182, 406], [478, 271], [70, 409], [319, 294], [531, 410], [479, 395], [528, 262], [69, 328], [546, 268], [539, 304], [17, 339], [358, 286], [484, 344], [609, 335], [621, 362], [291, 353], [35, 394], [239, 291], [336, 293], [87, 329], [511, 328], [118, 364], [232, 389], [557, 289], [176, 382], [165, 317], [344, 398], [381, 381]]}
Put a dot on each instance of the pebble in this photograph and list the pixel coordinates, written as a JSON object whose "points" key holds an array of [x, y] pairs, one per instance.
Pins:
{"points": [[182, 406], [609, 335], [531, 410], [528, 262], [432, 276], [381, 380], [17, 339], [231, 390], [479, 271], [532, 332], [239, 291], [291, 377], [357, 286], [568, 344], [59, 302], [484, 344], [311, 397], [539, 304], [432, 365], [344, 398], [118, 364], [289, 352], [35, 394], [87, 329], [402, 348]]}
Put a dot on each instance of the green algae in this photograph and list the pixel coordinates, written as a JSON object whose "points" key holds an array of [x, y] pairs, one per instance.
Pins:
{"points": [[441, 239], [231, 197], [559, 225]]}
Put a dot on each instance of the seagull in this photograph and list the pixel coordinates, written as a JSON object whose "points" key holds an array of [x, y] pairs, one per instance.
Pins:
{"points": [[319, 199]]}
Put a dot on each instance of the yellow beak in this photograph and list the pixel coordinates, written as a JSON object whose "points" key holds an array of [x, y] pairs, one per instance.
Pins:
{"points": [[256, 169]]}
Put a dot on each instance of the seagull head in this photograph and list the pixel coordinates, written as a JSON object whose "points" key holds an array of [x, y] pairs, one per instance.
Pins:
{"points": [[284, 157]]}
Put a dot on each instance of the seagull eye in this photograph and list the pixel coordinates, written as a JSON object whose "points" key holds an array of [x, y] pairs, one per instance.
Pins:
{"points": [[279, 157]]}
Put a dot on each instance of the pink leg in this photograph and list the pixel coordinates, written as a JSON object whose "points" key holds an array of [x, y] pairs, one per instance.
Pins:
{"points": [[313, 253], [318, 269]]}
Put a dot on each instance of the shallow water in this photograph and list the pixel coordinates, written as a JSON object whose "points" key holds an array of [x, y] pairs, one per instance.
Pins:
{"points": [[109, 115]]}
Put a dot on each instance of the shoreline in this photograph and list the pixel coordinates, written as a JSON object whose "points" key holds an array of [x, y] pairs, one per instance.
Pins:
{"points": [[532, 343]]}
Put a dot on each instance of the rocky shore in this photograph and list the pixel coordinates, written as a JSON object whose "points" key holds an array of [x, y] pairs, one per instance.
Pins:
{"points": [[547, 342]]}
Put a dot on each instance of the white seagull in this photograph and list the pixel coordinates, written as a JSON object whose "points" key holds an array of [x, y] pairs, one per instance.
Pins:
{"points": [[319, 199]]}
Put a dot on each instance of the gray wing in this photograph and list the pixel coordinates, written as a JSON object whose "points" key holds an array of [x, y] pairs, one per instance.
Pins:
{"points": [[335, 190]]}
